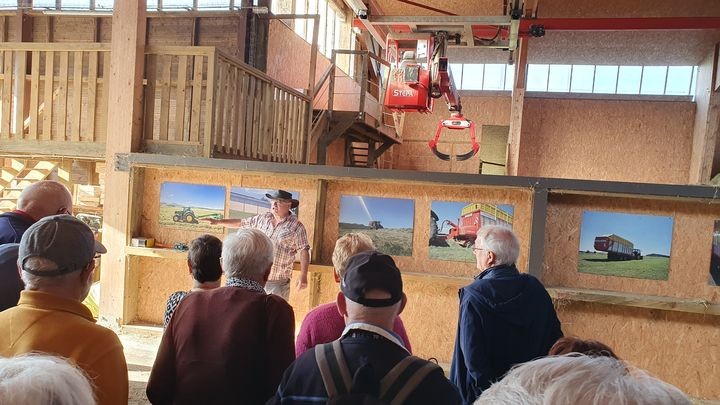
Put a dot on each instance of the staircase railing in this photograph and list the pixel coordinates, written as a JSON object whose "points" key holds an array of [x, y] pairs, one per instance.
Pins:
{"points": [[201, 101], [54, 98]]}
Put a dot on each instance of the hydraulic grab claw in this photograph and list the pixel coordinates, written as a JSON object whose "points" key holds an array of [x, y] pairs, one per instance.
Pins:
{"points": [[456, 122]]}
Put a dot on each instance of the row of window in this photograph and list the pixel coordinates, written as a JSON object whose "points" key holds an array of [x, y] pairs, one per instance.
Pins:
{"points": [[646, 80], [330, 28]]}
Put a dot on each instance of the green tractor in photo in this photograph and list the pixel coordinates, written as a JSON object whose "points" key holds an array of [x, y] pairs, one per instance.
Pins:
{"points": [[187, 215]]}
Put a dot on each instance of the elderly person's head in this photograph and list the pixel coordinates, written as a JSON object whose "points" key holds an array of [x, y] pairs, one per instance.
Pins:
{"points": [[57, 256], [349, 245], [45, 198], [371, 290], [247, 254], [569, 344], [204, 259], [495, 246], [580, 379], [43, 379]]}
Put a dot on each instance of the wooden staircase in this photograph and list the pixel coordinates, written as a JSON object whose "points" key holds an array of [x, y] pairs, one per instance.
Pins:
{"points": [[16, 174]]}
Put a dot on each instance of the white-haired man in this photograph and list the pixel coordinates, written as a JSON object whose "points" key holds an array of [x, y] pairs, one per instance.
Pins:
{"points": [[57, 260], [230, 344], [506, 317], [579, 379]]}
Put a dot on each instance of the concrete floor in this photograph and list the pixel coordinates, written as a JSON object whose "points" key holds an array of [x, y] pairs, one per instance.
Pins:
{"points": [[140, 344]]}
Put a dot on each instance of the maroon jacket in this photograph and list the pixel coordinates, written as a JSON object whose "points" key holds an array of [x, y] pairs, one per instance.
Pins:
{"points": [[228, 345]]}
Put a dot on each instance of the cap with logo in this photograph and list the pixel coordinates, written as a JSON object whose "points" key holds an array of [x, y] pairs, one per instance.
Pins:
{"points": [[368, 271], [63, 239]]}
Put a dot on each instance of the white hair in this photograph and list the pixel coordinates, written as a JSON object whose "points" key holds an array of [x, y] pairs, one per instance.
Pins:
{"points": [[580, 379], [247, 253], [34, 282], [43, 379], [501, 241]]}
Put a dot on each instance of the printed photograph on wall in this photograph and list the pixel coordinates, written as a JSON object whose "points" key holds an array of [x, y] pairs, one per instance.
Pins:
{"points": [[715, 256], [184, 205], [455, 225], [387, 221], [246, 202], [625, 245]]}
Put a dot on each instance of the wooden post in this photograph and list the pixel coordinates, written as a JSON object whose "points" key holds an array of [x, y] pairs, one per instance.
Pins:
{"points": [[704, 161], [516, 109], [124, 130]]}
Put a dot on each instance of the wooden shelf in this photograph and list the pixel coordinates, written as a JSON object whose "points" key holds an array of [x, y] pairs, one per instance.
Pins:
{"points": [[160, 253], [635, 300]]}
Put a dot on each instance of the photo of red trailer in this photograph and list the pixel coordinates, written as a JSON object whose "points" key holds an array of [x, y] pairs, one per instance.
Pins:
{"points": [[473, 217], [617, 248]]}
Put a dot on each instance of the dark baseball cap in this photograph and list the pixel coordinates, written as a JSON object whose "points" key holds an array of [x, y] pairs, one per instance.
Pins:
{"points": [[372, 270], [64, 239]]}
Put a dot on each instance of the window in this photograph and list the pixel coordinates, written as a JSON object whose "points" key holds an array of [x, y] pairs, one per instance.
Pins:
{"points": [[609, 79], [472, 77]]}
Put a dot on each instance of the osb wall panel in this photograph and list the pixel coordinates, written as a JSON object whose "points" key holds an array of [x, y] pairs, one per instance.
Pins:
{"points": [[635, 141], [288, 61], [418, 129], [684, 48], [680, 348], [170, 234], [689, 256], [423, 195], [622, 8]]}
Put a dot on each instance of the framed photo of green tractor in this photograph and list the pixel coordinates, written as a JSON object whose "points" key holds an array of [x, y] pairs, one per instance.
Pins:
{"points": [[625, 245], [185, 205], [454, 227], [387, 221]]}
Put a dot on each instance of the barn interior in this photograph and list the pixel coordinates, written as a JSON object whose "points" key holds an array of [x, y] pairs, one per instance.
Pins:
{"points": [[568, 109]]}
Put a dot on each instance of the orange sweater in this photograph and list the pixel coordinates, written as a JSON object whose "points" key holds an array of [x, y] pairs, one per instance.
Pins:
{"points": [[47, 323]]}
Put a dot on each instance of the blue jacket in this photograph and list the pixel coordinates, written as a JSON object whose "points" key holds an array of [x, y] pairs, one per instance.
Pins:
{"points": [[506, 318], [10, 282], [12, 226]]}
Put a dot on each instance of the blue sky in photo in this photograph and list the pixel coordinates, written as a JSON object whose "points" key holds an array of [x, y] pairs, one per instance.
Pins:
{"points": [[451, 210], [193, 195], [258, 193], [391, 212], [649, 233]]}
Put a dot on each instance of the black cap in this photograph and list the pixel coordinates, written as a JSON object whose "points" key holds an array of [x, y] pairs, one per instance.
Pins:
{"points": [[283, 195], [371, 270]]}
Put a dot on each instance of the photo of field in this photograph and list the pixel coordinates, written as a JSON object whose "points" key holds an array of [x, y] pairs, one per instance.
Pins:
{"points": [[625, 245], [454, 227], [185, 205], [387, 221], [715, 256], [247, 202]]}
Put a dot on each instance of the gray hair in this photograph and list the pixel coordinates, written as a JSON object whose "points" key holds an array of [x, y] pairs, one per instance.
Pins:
{"points": [[43, 379], [501, 241], [580, 379], [34, 282], [247, 253]]}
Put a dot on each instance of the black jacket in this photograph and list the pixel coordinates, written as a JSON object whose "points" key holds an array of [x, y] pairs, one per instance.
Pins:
{"points": [[506, 318], [302, 382], [10, 282], [12, 226]]}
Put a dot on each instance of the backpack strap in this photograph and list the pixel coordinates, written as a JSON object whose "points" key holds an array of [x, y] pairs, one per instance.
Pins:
{"points": [[333, 368], [404, 378]]}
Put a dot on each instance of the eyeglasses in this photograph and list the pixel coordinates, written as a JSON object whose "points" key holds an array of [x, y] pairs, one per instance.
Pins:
{"points": [[63, 211]]}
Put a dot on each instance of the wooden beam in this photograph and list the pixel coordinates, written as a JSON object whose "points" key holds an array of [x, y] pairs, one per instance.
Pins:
{"points": [[516, 109], [124, 132]]}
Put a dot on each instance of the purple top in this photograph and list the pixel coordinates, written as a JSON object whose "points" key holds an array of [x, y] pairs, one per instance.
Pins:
{"points": [[324, 324]]}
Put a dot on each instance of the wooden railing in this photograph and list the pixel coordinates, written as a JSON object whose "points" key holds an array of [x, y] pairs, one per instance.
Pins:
{"points": [[200, 101], [54, 98]]}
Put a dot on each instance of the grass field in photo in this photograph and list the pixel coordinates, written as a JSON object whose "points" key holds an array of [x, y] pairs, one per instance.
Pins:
{"points": [[391, 241], [452, 252], [168, 211], [650, 267]]}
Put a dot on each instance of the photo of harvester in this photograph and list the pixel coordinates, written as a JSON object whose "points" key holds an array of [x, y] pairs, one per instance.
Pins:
{"points": [[387, 221], [625, 245]]}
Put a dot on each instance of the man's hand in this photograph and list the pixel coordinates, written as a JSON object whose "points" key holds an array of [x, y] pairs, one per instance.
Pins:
{"points": [[302, 282], [212, 221]]}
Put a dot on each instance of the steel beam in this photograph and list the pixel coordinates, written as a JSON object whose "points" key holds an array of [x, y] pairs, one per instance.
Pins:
{"points": [[621, 24]]}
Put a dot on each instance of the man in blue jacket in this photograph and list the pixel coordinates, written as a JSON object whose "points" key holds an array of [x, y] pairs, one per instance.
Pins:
{"points": [[506, 317]]}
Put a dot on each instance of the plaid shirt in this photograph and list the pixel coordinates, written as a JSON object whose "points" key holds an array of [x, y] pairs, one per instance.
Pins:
{"points": [[288, 238]]}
